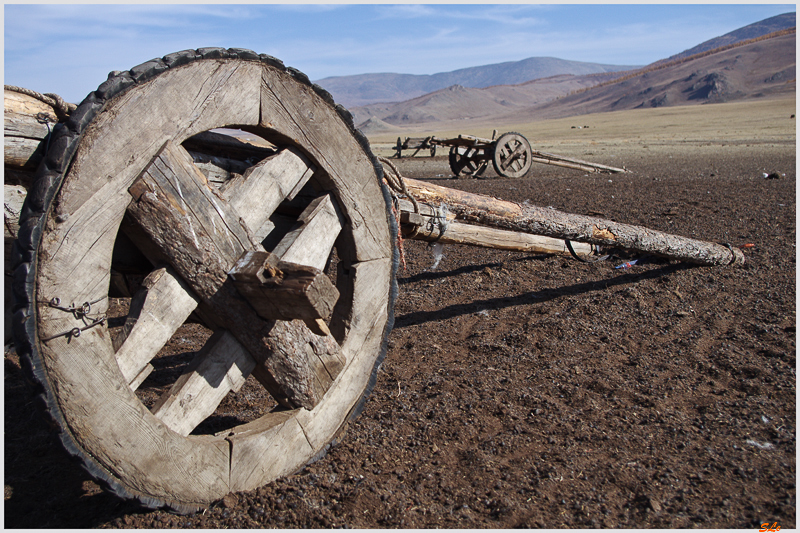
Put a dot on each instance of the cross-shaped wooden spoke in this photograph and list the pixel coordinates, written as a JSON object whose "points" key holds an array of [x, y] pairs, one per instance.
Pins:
{"points": [[268, 310], [510, 155]]}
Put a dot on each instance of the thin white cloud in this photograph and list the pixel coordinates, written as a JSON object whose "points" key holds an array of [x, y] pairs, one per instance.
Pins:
{"points": [[407, 11]]}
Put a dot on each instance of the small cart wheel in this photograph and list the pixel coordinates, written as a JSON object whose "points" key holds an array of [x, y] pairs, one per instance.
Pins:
{"points": [[512, 155], [465, 160]]}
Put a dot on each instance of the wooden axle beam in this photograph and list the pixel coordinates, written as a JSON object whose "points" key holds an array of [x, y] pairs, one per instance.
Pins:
{"points": [[577, 164]]}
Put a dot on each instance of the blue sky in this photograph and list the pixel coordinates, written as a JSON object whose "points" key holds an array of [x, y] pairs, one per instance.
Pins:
{"points": [[69, 49]]}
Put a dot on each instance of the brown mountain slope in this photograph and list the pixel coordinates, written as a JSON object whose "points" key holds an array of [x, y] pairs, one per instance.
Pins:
{"points": [[761, 69], [365, 89], [464, 103], [752, 31]]}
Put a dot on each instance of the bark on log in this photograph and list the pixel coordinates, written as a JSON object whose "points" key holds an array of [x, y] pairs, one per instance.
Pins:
{"points": [[552, 223]]}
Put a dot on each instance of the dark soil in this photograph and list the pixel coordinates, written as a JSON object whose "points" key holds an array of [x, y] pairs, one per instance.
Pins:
{"points": [[536, 391]]}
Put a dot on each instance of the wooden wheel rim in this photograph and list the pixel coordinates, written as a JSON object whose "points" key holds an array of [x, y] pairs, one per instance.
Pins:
{"points": [[118, 438], [512, 155]]}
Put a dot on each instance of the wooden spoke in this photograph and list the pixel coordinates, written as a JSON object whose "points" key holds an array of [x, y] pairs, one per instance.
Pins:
{"points": [[203, 237], [219, 368], [200, 233], [257, 193], [158, 309], [512, 155], [141, 376], [192, 226], [311, 241]]}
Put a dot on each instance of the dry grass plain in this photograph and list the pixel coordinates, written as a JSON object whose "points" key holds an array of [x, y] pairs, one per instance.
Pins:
{"points": [[613, 137]]}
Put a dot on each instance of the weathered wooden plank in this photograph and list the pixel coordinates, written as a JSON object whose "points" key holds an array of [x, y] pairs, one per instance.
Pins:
{"points": [[256, 194], [141, 376], [114, 426], [428, 225], [463, 140], [311, 242], [283, 291], [568, 162], [272, 446], [157, 310], [26, 122], [221, 366], [24, 105], [21, 152], [227, 144], [196, 229], [217, 169], [365, 332]]}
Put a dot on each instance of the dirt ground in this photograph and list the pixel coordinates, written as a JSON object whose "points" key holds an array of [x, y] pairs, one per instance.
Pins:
{"points": [[535, 391]]}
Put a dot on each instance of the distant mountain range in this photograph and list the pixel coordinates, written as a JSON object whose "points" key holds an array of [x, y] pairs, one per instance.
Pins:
{"points": [[755, 61], [383, 88], [364, 89]]}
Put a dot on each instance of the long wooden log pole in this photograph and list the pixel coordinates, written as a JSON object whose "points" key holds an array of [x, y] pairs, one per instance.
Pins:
{"points": [[549, 222], [429, 226]]}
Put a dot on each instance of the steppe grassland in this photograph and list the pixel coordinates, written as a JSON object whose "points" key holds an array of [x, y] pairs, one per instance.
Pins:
{"points": [[766, 122]]}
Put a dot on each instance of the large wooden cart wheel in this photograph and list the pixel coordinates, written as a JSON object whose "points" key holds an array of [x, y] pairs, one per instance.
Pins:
{"points": [[305, 318], [512, 156], [467, 160]]}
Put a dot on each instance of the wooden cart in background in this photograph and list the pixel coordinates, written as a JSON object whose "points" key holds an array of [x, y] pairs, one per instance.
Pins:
{"points": [[416, 144], [511, 156]]}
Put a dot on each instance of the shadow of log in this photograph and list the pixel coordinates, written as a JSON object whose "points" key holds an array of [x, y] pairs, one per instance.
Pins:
{"points": [[420, 317]]}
